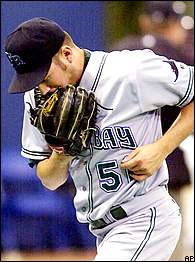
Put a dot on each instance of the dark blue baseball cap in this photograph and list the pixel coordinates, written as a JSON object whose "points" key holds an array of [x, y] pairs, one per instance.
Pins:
{"points": [[30, 48]]}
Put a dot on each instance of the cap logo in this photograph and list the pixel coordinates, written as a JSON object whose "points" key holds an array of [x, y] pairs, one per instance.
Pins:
{"points": [[15, 60]]}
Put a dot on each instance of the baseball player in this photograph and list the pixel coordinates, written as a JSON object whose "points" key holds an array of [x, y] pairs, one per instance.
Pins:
{"points": [[121, 179]]}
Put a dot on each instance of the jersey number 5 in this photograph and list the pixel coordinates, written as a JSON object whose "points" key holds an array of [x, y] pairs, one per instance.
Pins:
{"points": [[110, 180]]}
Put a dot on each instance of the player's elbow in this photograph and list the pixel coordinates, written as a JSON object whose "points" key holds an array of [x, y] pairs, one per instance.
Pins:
{"points": [[52, 185], [50, 176], [51, 181]]}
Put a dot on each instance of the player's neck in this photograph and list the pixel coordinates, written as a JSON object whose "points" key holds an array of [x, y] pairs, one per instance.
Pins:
{"points": [[87, 55]]}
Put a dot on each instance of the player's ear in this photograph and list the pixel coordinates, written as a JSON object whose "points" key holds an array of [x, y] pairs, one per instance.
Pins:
{"points": [[64, 56], [67, 53]]}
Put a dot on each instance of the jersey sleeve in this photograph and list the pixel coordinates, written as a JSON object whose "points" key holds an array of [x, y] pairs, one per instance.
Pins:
{"points": [[162, 81], [34, 145]]}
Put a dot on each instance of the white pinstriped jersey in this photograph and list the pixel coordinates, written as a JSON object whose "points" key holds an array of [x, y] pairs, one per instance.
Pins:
{"points": [[131, 87]]}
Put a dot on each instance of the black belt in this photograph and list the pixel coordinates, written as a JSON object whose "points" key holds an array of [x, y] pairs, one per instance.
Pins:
{"points": [[116, 212]]}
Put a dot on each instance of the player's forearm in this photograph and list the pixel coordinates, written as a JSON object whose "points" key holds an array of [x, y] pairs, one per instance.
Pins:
{"points": [[145, 160], [53, 171], [180, 129]]}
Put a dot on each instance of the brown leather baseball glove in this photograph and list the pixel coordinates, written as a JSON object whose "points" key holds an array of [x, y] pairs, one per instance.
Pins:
{"points": [[67, 118]]}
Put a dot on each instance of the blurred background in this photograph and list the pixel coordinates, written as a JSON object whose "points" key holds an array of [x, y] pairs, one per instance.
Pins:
{"points": [[39, 224]]}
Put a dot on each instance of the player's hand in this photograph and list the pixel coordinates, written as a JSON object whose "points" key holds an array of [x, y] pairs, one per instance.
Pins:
{"points": [[144, 161]]}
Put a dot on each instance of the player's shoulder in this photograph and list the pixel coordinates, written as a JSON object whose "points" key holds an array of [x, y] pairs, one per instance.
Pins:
{"points": [[134, 54], [124, 54], [29, 96], [131, 58], [29, 93]]}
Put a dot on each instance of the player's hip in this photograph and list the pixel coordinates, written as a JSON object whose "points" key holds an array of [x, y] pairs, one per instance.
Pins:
{"points": [[158, 199], [150, 235]]}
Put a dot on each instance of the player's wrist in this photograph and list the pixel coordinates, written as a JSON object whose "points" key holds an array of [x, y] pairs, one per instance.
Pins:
{"points": [[60, 156], [59, 151], [164, 147]]}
